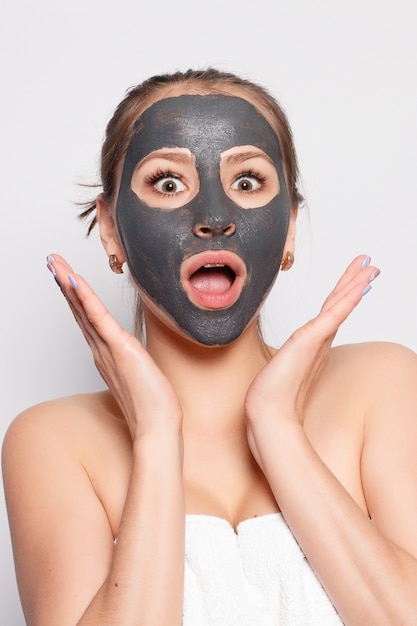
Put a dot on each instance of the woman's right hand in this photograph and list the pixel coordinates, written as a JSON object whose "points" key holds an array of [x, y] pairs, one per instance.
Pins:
{"points": [[145, 396]]}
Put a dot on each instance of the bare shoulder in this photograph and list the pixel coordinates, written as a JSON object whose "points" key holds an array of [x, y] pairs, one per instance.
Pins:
{"points": [[65, 417], [357, 375], [86, 429], [364, 367], [373, 356], [62, 462], [376, 370], [386, 376], [365, 390], [370, 375], [362, 420]]}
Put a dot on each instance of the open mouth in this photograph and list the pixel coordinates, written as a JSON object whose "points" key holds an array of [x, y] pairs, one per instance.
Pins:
{"points": [[213, 279]]}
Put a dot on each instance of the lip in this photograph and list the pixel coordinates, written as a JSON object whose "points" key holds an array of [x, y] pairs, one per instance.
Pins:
{"points": [[213, 300]]}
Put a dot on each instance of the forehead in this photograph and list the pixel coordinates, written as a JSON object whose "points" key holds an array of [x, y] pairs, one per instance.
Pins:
{"points": [[205, 124]]}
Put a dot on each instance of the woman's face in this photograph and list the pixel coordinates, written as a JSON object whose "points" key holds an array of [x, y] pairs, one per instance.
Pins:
{"points": [[203, 212]]}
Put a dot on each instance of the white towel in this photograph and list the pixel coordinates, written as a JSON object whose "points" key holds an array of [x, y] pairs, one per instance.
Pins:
{"points": [[257, 576]]}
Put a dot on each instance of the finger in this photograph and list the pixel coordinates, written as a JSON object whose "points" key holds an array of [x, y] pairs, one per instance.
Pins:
{"points": [[61, 270], [77, 290], [89, 305], [325, 326], [55, 261], [90, 313], [358, 272], [353, 269], [81, 318], [102, 326]]}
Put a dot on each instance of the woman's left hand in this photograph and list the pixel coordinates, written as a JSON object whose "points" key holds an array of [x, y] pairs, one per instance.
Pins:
{"points": [[281, 389]]}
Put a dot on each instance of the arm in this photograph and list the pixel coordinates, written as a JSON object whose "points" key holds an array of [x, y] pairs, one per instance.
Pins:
{"points": [[68, 569], [369, 569]]}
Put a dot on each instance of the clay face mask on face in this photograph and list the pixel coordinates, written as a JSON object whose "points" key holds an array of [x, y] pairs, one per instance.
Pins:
{"points": [[211, 297]]}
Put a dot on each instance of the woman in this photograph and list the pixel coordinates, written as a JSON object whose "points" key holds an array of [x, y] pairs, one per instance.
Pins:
{"points": [[287, 477]]}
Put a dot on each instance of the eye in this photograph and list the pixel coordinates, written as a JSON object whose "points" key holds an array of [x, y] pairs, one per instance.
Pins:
{"points": [[247, 182], [166, 183], [170, 185]]}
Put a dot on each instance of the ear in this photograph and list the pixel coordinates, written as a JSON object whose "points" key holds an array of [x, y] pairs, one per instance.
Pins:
{"points": [[108, 231]]}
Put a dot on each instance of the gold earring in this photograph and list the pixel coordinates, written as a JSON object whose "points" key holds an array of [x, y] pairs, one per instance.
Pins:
{"points": [[287, 261], [115, 266]]}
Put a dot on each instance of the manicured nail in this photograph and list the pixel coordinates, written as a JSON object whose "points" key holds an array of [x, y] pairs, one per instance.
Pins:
{"points": [[72, 281], [374, 274], [366, 261], [50, 258], [51, 268], [366, 290]]}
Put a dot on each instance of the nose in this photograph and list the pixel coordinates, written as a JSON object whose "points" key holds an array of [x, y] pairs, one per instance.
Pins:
{"points": [[213, 211], [214, 228], [212, 216]]}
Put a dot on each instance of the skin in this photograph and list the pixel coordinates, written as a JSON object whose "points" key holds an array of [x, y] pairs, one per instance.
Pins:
{"points": [[325, 435]]}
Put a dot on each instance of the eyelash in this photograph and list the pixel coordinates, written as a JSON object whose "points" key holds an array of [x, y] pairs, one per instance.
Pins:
{"points": [[252, 174], [160, 175]]}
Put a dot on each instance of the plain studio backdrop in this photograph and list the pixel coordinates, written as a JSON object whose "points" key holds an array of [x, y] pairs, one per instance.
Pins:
{"points": [[345, 73]]}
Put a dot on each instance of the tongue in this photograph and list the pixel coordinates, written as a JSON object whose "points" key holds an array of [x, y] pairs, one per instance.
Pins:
{"points": [[213, 280]]}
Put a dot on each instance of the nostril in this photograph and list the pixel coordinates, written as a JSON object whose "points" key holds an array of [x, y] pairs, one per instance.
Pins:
{"points": [[203, 231], [213, 230], [230, 230]]}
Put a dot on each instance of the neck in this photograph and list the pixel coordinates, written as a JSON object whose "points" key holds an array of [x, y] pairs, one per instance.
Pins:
{"points": [[211, 382]]}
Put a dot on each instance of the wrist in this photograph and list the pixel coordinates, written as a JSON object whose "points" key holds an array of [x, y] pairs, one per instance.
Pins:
{"points": [[277, 421], [159, 444], [272, 435]]}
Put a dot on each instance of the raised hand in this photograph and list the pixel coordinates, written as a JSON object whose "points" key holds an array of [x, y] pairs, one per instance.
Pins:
{"points": [[143, 393], [281, 389]]}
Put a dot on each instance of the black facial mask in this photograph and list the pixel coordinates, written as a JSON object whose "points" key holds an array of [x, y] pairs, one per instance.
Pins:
{"points": [[157, 241]]}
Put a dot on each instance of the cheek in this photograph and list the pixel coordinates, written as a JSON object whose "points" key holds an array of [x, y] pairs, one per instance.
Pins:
{"points": [[263, 234], [155, 239]]}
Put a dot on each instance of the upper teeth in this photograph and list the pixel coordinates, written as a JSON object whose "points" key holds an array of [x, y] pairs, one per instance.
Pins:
{"points": [[209, 265]]}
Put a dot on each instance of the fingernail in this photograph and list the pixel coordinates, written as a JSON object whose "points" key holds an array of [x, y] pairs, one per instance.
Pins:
{"points": [[366, 261], [374, 274], [51, 268], [366, 290], [72, 281], [50, 258]]}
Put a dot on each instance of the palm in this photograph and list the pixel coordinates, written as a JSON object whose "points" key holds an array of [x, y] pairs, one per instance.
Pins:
{"points": [[283, 386], [143, 393]]}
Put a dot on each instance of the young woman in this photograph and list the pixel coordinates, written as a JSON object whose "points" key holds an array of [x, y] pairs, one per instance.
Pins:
{"points": [[217, 481]]}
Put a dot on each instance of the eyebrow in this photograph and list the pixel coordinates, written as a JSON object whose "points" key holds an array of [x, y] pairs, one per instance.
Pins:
{"points": [[175, 157], [240, 157]]}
